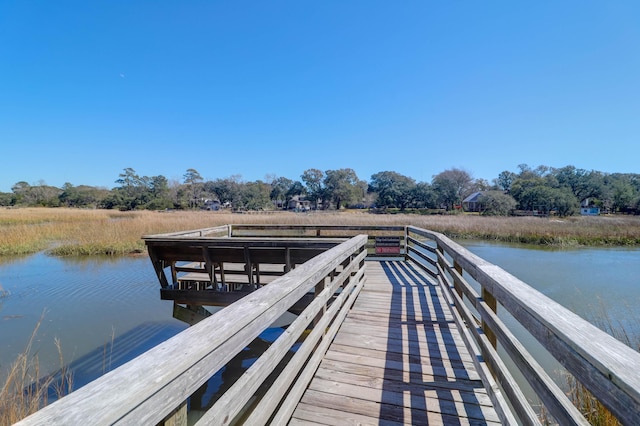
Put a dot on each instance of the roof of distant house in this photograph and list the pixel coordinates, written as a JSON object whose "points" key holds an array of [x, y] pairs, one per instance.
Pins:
{"points": [[473, 197]]}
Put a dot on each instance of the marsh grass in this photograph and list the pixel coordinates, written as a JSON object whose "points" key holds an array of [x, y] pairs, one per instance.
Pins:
{"points": [[107, 353], [596, 413], [592, 409], [106, 232], [25, 390], [68, 232]]}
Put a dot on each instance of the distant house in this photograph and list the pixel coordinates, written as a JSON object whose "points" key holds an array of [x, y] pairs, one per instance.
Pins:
{"points": [[587, 210], [299, 204], [212, 205], [472, 202]]}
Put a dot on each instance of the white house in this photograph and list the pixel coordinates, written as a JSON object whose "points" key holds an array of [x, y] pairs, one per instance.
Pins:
{"points": [[298, 204], [587, 210]]}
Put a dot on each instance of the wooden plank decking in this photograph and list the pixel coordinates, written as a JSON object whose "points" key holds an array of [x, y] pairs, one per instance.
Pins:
{"points": [[397, 359]]}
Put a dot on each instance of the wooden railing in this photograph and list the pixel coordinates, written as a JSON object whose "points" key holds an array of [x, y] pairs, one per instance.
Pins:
{"points": [[478, 289], [154, 387], [216, 231], [166, 251], [321, 231]]}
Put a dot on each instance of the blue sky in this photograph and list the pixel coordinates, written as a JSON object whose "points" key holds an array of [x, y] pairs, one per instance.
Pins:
{"points": [[258, 88]]}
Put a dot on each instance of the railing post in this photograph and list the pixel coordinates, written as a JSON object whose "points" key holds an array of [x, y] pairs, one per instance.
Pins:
{"points": [[440, 257], [287, 260], [456, 285], [326, 282], [491, 302], [406, 243], [178, 417]]}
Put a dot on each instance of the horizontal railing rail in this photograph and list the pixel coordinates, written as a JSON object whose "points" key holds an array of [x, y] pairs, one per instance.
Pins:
{"points": [[605, 366], [165, 252], [216, 231], [325, 231], [318, 230], [155, 386]]}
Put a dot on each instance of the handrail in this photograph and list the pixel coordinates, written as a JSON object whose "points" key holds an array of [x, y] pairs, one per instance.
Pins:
{"points": [[322, 231], [605, 366], [215, 231], [156, 384], [272, 227]]}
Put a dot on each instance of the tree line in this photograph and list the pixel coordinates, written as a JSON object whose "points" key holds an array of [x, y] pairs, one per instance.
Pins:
{"points": [[542, 189]]}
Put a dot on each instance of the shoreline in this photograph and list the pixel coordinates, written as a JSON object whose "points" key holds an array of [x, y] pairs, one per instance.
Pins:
{"points": [[75, 232]]}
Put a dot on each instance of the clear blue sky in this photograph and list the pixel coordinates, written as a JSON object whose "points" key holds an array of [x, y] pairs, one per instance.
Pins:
{"points": [[257, 88]]}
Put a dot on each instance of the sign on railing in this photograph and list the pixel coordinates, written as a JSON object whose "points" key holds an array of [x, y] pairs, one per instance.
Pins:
{"points": [[387, 245]]}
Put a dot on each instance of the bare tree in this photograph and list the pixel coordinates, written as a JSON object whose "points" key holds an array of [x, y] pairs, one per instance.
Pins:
{"points": [[193, 180], [452, 186]]}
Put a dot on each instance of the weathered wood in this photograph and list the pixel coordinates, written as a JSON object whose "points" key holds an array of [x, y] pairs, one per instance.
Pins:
{"points": [[422, 256], [482, 365], [603, 364], [421, 244], [606, 367], [178, 417], [396, 350], [190, 315], [548, 391], [216, 231], [222, 298], [231, 403], [397, 361], [228, 406], [402, 338], [495, 367], [342, 408], [213, 253], [288, 406], [147, 389]]}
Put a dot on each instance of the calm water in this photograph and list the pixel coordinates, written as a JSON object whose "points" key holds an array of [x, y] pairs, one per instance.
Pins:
{"points": [[106, 311], [592, 282], [586, 281]]}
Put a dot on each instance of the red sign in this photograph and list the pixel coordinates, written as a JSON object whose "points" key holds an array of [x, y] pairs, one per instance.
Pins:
{"points": [[388, 245], [388, 250]]}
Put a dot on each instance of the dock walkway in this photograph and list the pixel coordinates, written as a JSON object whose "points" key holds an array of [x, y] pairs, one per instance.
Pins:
{"points": [[375, 342], [397, 359]]}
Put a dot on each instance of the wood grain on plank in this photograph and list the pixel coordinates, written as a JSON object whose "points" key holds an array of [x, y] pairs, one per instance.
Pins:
{"points": [[397, 359]]}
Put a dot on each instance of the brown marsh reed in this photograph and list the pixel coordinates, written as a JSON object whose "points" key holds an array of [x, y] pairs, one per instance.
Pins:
{"points": [[590, 407], [25, 390], [109, 232], [106, 232], [596, 413]]}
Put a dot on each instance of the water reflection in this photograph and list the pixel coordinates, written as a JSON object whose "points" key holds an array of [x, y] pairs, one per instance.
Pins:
{"points": [[106, 310], [86, 303]]}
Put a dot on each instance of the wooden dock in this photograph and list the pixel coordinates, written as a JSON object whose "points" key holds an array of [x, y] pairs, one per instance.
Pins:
{"points": [[398, 358], [394, 325]]}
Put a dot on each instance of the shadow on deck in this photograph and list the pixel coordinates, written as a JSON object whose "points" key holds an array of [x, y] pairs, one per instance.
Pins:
{"points": [[397, 359]]}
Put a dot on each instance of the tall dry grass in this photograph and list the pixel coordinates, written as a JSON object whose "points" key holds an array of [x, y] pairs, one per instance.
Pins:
{"points": [[592, 409], [93, 232], [25, 390]]}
